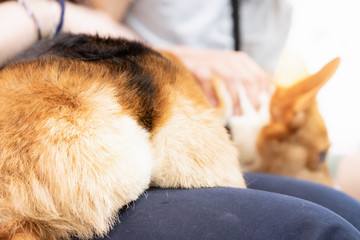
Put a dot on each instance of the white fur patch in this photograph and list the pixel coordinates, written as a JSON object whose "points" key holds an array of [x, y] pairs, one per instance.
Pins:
{"points": [[194, 150], [245, 128]]}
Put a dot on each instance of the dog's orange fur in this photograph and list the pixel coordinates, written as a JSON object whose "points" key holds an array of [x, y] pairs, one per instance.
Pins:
{"points": [[292, 142], [290, 137], [73, 151]]}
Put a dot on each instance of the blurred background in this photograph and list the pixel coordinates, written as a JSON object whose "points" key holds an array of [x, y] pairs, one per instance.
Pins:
{"points": [[322, 30]]}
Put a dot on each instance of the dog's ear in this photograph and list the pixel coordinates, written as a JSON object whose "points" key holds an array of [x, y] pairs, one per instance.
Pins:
{"points": [[288, 102], [295, 141]]}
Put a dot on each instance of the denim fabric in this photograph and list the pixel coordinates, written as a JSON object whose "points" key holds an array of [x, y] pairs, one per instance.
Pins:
{"points": [[272, 208]]}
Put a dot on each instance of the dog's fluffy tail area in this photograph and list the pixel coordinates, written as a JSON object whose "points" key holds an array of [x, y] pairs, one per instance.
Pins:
{"points": [[70, 158]]}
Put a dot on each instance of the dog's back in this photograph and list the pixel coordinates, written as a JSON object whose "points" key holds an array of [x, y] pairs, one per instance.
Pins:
{"points": [[87, 124], [67, 138]]}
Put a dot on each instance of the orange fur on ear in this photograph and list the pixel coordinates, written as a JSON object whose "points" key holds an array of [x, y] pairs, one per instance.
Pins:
{"points": [[296, 135], [288, 101]]}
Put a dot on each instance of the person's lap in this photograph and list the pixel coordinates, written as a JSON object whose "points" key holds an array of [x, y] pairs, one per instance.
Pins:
{"points": [[336, 201], [264, 211]]}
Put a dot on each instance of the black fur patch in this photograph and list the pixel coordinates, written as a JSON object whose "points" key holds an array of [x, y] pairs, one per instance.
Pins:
{"points": [[118, 55], [86, 48]]}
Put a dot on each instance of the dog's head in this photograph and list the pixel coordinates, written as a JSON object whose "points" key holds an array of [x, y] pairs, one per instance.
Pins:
{"points": [[295, 141], [288, 135]]}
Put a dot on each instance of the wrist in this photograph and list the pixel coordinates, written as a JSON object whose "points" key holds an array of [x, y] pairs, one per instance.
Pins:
{"points": [[47, 15]]}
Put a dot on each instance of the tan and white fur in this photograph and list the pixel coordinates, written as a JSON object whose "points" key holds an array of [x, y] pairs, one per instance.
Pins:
{"points": [[287, 136], [80, 139]]}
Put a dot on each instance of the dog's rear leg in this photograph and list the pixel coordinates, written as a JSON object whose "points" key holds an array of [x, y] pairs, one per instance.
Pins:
{"points": [[193, 149]]}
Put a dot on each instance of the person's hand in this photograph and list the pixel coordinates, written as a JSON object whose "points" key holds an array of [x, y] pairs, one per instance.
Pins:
{"points": [[234, 68]]}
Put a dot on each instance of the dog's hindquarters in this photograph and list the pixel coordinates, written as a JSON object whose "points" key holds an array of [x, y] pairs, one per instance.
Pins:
{"points": [[71, 157], [192, 148]]}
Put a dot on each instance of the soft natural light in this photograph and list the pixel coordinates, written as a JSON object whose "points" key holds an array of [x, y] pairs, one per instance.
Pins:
{"points": [[323, 30]]}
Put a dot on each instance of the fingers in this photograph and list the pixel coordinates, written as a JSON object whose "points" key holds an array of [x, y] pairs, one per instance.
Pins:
{"points": [[240, 70], [252, 77], [232, 85], [234, 94], [203, 76], [234, 68]]}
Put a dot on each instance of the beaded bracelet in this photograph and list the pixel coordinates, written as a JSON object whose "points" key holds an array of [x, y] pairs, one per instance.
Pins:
{"points": [[37, 24]]}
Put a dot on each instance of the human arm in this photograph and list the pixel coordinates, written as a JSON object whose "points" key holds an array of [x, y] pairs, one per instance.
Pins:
{"points": [[95, 19], [114, 8], [233, 68], [18, 30]]}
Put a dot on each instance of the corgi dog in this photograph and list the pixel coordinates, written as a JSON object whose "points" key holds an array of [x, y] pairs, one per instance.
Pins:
{"points": [[287, 136], [87, 124]]}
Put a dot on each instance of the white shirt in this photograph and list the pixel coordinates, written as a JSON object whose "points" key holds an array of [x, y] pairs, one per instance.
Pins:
{"points": [[209, 24]]}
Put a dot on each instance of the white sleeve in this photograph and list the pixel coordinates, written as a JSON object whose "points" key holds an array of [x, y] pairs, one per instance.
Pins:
{"points": [[265, 25]]}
